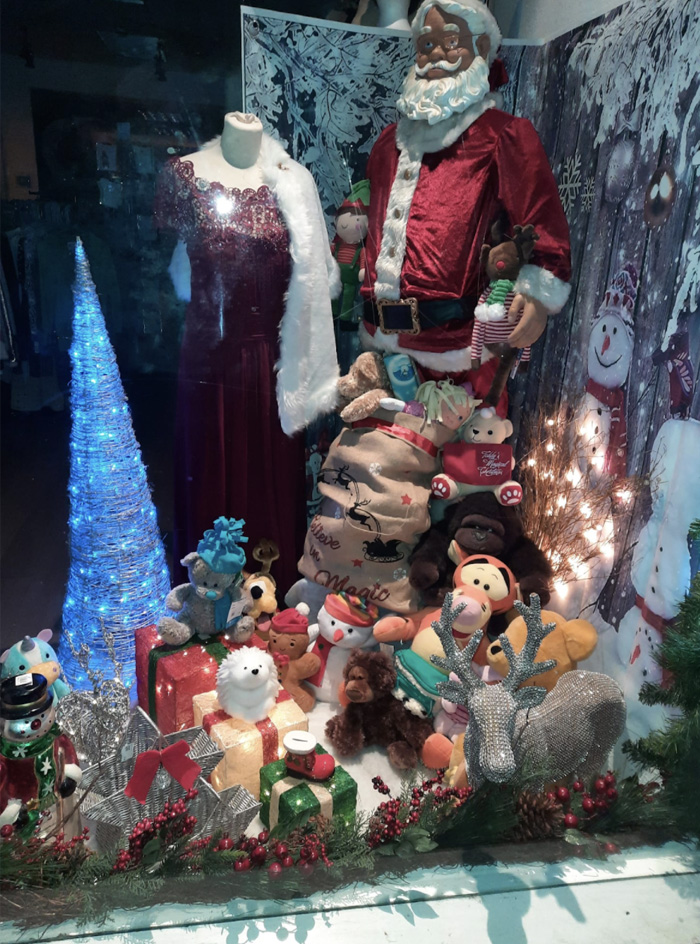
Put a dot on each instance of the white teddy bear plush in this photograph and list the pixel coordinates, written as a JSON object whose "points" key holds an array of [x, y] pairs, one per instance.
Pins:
{"points": [[247, 685]]}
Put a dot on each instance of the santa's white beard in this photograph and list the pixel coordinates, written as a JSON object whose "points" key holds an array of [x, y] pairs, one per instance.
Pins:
{"points": [[433, 100]]}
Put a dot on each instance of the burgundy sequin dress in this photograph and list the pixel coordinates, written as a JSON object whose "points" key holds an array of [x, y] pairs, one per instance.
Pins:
{"points": [[231, 456]]}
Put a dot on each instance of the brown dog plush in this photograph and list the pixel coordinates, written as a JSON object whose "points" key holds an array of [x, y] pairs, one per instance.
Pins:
{"points": [[373, 715], [288, 640], [361, 389]]}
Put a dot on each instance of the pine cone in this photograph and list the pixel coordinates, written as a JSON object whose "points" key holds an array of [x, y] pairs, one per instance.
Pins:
{"points": [[540, 817]]}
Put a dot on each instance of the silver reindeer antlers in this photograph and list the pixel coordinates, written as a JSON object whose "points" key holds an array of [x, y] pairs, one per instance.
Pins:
{"points": [[522, 665]]}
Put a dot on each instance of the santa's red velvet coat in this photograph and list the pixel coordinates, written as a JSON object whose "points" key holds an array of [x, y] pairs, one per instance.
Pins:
{"points": [[497, 164]]}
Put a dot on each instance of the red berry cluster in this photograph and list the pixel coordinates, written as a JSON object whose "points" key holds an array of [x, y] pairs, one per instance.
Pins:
{"points": [[276, 854], [38, 850], [593, 802], [394, 816], [171, 824]]}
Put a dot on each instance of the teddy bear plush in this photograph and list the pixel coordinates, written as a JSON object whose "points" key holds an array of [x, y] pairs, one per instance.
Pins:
{"points": [[373, 715], [287, 642], [480, 462], [361, 389], [569, 643], [480, 525], [213, 601]]}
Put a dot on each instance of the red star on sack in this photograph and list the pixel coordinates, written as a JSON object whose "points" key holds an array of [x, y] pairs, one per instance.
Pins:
{"points": [[357, 563], [406, 499]]}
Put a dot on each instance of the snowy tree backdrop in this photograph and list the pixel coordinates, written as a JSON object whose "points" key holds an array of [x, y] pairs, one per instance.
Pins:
{"points": [[617, 105]]}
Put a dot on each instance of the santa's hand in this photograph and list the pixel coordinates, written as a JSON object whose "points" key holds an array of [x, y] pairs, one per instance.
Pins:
{"points": [[532, 323]]}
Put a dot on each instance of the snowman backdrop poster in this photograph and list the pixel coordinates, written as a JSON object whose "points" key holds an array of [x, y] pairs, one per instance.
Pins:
{"points": [[617, 106]]}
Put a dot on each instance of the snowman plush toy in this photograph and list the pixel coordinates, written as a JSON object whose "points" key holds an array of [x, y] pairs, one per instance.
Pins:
{"points": [[345, 622], [39, 768]]}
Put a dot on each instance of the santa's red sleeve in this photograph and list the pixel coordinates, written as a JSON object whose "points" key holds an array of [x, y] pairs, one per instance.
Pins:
{"points": [[528, 193]]}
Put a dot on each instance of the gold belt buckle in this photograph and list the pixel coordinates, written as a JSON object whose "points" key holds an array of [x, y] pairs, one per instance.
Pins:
{"points": [[410, 303]]}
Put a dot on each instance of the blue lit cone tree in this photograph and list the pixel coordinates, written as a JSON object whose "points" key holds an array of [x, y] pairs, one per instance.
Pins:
{"points": [[118, 577]]}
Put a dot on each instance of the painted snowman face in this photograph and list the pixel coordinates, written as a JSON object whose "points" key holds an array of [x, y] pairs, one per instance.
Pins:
{"points": [[609, 351], [24, 730], [342, 634]]}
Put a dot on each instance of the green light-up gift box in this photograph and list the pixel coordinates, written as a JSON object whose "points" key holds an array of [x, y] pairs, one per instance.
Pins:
{"points": [[289, 801]]}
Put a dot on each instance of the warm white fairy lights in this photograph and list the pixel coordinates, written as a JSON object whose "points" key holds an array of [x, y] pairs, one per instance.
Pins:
{"points": [[568, 502]]}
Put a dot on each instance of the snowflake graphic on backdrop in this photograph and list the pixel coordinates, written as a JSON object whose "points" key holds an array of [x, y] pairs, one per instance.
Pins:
{"points": [[570, 182], [588, 193], [375, 468]]}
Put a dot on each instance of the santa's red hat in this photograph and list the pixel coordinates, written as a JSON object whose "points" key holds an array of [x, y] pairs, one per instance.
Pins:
{"points": [[351, 609], [289, 621]]}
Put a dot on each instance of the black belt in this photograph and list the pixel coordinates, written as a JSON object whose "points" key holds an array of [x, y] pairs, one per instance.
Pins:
{"points": [[403, 317]]}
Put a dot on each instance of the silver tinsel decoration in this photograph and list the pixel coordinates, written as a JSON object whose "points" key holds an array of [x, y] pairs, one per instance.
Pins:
{"points": [[95, 721], [569, 730], [111, 815]]}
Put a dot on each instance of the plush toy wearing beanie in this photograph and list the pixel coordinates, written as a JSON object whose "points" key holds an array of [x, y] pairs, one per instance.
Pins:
{"points": [[288, 641], [344, 623], [213, 600]]}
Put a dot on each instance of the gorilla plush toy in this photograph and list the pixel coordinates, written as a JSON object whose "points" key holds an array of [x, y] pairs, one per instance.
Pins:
{"points": [[479, 524], [373, 715]]}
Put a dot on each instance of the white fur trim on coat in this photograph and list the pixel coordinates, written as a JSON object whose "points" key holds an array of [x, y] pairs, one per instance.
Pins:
{"points": [[307, 369], [544, 286], [447, 361]]}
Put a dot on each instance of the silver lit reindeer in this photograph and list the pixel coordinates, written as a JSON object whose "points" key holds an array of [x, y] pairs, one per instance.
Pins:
{"points": [[570, 730]]}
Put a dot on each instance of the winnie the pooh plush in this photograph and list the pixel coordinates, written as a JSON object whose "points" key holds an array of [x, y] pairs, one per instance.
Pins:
{"points": [[288, 641], [213, 600], [481, 462], [569, 643]]}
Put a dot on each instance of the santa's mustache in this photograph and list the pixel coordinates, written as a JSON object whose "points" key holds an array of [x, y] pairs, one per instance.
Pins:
{"points": [[442, 64]]}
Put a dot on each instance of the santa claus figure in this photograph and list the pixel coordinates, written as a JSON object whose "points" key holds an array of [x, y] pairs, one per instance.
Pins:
{"points": [[452, 165]]}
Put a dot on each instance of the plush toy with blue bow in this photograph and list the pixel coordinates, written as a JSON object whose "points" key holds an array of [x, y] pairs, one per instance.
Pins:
{"points": [[214, 600], [37, 656]]}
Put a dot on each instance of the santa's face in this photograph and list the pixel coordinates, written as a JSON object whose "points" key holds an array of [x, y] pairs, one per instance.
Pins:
{"points": [[444, 47], [609, 351]]}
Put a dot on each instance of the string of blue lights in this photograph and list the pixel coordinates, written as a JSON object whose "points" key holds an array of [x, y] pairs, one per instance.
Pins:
{"points": [[118, 577]]}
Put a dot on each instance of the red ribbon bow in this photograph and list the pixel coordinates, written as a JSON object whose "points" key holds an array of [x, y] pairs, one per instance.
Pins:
{"points": [[281, 659], [175, 760]]}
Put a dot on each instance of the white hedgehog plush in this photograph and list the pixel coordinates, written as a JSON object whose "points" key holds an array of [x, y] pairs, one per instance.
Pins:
{"points": [[247, 684]]}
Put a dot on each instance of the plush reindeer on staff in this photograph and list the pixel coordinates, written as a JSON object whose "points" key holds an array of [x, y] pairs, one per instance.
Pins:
{"points": [[570, 730]]}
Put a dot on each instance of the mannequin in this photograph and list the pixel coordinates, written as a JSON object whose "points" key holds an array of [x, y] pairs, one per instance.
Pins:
{"points": [[232, 159], [257, 362]]}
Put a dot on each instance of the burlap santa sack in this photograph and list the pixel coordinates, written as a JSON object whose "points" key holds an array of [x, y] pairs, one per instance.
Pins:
{"points": [[375, 485]]}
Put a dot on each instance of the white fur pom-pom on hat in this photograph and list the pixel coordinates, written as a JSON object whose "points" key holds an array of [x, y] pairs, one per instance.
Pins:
{"points": [[247, 685], [303, 608]]}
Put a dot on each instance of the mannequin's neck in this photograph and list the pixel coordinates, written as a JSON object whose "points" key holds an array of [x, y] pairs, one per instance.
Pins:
{"points": [[240, 140], [233, 159]]}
